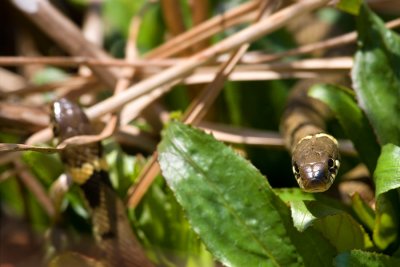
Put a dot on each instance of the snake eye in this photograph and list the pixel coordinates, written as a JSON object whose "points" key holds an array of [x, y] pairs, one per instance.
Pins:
{"points": [[332, 166], [56, 130]]}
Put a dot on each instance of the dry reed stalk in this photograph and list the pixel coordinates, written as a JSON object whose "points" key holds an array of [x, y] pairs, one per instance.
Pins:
{"points": [[65, 34], [196, 111], [322, 45], [182, 69]]}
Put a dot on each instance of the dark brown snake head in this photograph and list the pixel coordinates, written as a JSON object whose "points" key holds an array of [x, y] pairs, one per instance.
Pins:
{"points": [[68, 120], [315, 161], [81, 161]]}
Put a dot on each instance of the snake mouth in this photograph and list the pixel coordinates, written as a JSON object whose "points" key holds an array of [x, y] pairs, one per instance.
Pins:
{"points": [[315, 178], [315, 185]]}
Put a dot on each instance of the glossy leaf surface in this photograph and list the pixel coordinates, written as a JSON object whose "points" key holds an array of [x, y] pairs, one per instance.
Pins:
{"points": [[231, 205], [376, 76], [387, 173]]}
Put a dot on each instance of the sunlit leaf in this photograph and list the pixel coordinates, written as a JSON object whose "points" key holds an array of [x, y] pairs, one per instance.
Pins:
{"points": [[232, 207], [387, 173], [49, 74], [376, 76]]}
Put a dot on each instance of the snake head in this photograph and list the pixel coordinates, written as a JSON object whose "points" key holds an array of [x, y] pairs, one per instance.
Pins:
{"points": [[68, 119], [315, 161]]}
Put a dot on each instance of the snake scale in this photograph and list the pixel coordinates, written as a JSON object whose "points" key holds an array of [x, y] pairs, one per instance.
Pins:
{"points": [[84, 163], [315, 154]]}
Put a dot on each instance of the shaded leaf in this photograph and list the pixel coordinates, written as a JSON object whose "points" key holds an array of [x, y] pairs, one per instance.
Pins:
{"points": [[364, 212], [343, 232], [47, 167], [163, 227], [118, 13], [351, 118], [376, 76], [387, 219], [232, 207], [360, 258], [152, 29], [387, 173], [386, 178]]}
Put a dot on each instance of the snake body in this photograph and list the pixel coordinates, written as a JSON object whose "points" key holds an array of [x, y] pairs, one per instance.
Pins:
{"points": [[315, 154], [84, 163]]}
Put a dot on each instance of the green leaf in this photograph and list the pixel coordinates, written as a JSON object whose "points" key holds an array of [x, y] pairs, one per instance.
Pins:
{"points": [[360, 258], [302, 217], [294, 194], [386, 228], [335, 224], [231, 205], [48, 75], [343, 232], [161, 221], [118, 13], [387, 173], [350, 6], [364, 212], [152, 29], [351, 118], [47, 167], [386, 177], [376, 76]]}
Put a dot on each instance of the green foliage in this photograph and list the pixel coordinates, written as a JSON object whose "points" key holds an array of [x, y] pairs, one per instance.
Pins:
{"points": [[40, 164], [350, 6], [242, 219], [161, 224], [376, 76], [234, 210], [151, 29], [49, 74], [364, 212], [387, 173], [376, 79], [221, 213], [358, 258], [118, 14]]}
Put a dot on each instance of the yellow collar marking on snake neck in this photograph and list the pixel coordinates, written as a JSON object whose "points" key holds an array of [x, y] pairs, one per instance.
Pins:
{"points": [[81, 174]]}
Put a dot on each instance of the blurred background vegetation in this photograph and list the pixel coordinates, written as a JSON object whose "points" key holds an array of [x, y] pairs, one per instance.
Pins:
{"points": [[158, 220]]}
